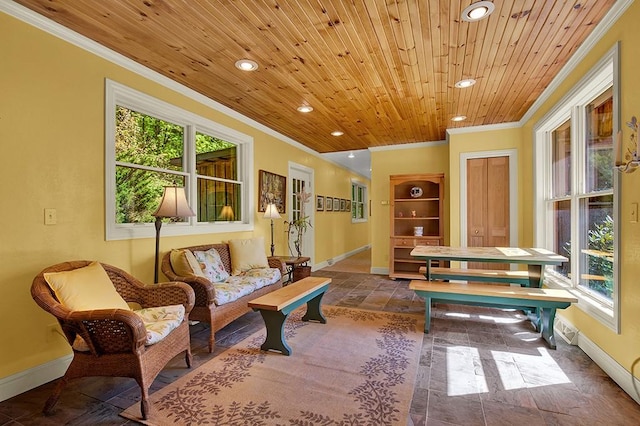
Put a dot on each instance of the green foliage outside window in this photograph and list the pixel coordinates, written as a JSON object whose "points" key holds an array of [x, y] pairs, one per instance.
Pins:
{"points": [[143, 140], [600, 238]]}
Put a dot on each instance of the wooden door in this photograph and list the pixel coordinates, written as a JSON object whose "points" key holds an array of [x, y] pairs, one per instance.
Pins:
{"points": [[488, 205]]}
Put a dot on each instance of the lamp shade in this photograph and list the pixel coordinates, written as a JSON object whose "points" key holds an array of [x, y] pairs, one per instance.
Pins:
{"points": [[226, 213], [174, 203], [271, 212]]}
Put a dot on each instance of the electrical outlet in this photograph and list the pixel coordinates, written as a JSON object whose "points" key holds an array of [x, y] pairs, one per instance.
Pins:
{"points": [[50, 216]]}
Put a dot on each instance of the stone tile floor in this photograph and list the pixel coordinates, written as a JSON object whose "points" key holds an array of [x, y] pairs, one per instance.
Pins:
{"points": [[478, 366]]}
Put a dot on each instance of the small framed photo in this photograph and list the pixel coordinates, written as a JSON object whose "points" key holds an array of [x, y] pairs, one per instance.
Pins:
{"points": [[329, 204], [343, 205], [336, 204], [348, 207], [319, 203]]}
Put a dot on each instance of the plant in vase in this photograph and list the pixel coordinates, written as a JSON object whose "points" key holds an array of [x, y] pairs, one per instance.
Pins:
{"points": [[297, 227]]}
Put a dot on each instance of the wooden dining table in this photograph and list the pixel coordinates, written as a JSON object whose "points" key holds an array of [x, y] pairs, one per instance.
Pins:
{"points": [[535, 258]]}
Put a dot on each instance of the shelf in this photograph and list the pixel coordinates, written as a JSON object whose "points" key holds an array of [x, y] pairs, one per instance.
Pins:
{"points": [[404, 200], [402, 260], [424, 212], [408, 276]]}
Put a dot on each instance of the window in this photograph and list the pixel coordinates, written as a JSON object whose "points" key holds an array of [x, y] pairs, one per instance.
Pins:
{"points": [[151, 144], [358, 202], [576, 193]]}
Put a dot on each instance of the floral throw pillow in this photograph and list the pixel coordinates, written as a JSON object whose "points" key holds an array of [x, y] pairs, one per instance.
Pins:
{"points": [[211, 265]]}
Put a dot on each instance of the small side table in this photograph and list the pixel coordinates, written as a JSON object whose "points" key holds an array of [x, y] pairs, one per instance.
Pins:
{"points": [[292, 263]]}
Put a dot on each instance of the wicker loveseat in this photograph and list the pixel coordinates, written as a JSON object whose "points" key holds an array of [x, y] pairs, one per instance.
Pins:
{"points": [[206, 309]]}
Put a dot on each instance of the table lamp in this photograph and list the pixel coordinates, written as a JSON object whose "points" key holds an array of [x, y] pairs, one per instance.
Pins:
{"points": [[173, 204], [272, 213]]}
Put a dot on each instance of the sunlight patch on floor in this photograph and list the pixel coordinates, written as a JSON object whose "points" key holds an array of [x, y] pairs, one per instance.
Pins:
{"points": [[462, 377], [468, 373]]}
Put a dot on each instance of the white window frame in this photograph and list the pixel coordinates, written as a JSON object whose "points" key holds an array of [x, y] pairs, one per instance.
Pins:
{"points": [[118, 94], [365, 210], [604, 75]]}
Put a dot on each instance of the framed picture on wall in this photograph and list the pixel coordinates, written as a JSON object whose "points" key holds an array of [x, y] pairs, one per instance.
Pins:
{"points": [[319, 203], [272, 189], [329, 204], [336, 204], [348, 206], [343, 205]]}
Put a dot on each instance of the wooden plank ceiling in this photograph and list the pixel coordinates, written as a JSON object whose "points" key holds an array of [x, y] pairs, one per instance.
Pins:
{"points": [[381, 71]]}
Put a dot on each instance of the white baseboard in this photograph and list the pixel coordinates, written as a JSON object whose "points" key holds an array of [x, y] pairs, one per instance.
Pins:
{"points": [[618, 373], [26, 380], [338, 258]]}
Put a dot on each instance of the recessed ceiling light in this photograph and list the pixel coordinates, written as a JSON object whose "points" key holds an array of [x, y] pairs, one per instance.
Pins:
{"points": [[468, 82], [246, 65], [305, 108], [351, 155], [337, 133], [459, 118], [477, 11]]}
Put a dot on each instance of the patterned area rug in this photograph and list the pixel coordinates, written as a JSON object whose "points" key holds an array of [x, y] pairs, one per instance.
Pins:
{"points": [[358, 369]]}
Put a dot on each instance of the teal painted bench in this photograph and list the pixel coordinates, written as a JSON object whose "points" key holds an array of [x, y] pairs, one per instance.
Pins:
{"points": [[480, 275], [276, 306], [544, 300]]}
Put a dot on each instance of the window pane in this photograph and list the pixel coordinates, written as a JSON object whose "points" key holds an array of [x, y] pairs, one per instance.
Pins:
{"points": [[139, 192], [596, 245], [599, 119], [215, 157], [218, 201], [148, 141], [562, 234], [561, 159]]}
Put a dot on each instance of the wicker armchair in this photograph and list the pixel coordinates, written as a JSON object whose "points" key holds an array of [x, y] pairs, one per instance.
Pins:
{"points": [[205, 309], [116, 337]]}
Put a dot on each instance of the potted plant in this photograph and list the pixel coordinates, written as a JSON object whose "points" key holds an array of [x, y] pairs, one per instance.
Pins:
{"points": [[297, 227], [295, 232]]}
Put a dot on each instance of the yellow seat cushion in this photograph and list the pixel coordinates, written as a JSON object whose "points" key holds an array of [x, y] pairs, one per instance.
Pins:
{"points": [[247, 254], [85, 289]]}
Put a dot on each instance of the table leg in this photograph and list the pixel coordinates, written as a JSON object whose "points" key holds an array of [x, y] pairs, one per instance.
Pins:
{"points": [[314, 311], [427, 314], [274, 322], [547, 316], [535, 275], [427, 274]]}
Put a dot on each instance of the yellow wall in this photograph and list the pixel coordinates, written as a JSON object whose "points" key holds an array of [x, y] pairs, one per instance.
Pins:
{"points": [[52, 135], [427, 158], [623, 347]]}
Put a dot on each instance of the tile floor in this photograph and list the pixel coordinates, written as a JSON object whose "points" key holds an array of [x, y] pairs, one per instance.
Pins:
{"points": [[478, 366]]}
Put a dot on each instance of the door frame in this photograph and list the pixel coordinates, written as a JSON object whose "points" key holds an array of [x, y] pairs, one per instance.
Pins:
{"points": [[512, 154], [309, 237]]}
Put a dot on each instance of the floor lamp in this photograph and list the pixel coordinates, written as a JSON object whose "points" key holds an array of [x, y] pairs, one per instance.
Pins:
{"points": [[272, 213], [173, 204]]}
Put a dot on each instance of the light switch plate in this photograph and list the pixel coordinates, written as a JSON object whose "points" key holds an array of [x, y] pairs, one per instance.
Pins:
{"points": [[50, 216]]}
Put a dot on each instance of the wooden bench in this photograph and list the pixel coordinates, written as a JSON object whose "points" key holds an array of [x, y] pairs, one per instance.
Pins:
{"points": [[544, 300], [276, 306], [480, 275]]}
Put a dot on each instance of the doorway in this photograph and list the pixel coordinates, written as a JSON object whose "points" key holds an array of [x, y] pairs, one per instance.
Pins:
{"points": [[301, 179], [488, 201]]}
